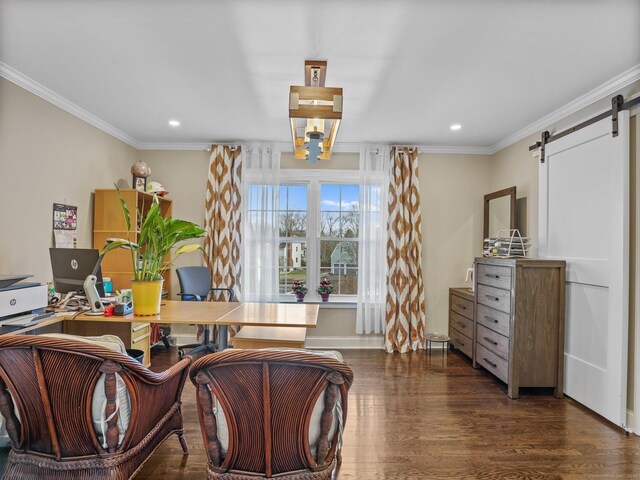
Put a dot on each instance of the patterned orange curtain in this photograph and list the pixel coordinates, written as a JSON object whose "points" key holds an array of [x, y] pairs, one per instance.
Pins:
{"points": [[405, 317], [223, 218]]}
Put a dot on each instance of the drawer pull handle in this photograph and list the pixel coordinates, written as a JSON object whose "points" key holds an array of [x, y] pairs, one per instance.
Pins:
{"points": [[487, 317], [492, 298], [494, 365], [492, 276], [490, 341]]}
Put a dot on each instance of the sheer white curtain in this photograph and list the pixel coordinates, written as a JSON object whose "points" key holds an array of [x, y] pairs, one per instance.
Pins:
{"points": [[261, 232], [372, 258]]}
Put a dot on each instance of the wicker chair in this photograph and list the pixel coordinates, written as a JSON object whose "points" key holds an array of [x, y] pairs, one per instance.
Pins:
{"points": [[267, 399], [46, 391]]}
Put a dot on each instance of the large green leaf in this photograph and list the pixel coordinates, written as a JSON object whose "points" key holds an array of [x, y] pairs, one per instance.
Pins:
{"points": [[157, 236], [125, 210]]}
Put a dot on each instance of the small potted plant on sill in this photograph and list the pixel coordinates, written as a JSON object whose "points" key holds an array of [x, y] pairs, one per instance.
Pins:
{"points": [[300, 290], [324, 289], [156, 237]]}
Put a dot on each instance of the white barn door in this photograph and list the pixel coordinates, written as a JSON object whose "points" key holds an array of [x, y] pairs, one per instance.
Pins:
{"points": [[584, 219]]}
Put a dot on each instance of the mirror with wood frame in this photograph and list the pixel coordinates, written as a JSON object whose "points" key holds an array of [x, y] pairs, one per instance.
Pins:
{"points": [[499, 211]]}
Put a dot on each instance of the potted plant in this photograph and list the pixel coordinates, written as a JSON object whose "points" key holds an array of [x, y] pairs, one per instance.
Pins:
{"points": [[158, 235], [324, 289], [299, 289]]}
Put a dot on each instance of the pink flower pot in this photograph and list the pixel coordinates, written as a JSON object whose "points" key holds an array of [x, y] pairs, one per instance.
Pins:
{"points": [[325, 297], [299, 297]]}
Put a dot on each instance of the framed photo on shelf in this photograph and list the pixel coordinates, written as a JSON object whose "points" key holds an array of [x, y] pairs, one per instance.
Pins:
{"points": [[140, 183]]}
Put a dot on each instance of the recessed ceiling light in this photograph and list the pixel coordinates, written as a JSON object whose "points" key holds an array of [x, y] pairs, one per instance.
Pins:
{"points": [[174, 123], [456, 126]]}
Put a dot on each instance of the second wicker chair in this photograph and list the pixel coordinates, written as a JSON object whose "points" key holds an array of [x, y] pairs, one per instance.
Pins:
{"points": [[271, 412]]}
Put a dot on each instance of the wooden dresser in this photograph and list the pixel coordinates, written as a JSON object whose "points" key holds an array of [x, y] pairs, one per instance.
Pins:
{"points": [[519, 321], [461, 320]]}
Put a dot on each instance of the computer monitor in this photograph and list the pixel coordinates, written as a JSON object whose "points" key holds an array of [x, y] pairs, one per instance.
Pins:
{"points": [[71, 266]]}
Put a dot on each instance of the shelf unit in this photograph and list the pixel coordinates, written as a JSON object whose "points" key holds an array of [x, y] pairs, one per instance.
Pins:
{"points": [[108, 221]]}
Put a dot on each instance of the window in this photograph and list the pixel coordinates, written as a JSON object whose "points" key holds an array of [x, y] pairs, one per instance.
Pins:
{"points": [[339, 227], [292, 221], [318, 222]]}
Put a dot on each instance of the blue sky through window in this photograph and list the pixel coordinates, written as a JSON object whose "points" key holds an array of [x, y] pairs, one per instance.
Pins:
{"points": [[293, 197], [339, 197]]}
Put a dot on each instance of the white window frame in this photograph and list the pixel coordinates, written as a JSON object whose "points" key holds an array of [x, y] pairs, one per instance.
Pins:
{"points": [[313, 179]]}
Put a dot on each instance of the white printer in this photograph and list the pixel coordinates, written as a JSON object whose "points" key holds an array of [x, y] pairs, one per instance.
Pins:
{"points": [[17, 297]]}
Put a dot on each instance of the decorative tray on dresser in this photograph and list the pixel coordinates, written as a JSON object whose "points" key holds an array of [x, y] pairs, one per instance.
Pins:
{"points": [[461, 320], [519, 321]]}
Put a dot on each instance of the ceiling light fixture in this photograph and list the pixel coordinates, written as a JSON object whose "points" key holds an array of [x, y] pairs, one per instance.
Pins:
{"points": [[315, 112], [455, 126], [174, 123]]}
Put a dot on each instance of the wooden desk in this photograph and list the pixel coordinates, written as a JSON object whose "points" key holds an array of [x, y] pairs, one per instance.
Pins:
{"points": [[304, 315], [268, 315], [172, 311], [222, 314]]}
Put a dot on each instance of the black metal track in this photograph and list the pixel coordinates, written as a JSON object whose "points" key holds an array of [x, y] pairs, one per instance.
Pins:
{"points": [[616, 101]]}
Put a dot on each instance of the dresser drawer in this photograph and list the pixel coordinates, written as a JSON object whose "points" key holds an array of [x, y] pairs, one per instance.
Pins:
{"points": [[462, 324], [492, 362], [461, 342], [462, 306], [494, 276], [495, 342], [495, 298], [494, 319]]}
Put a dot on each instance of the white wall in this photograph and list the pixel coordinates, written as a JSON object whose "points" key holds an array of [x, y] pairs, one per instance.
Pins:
{"points": [[47, 156]]}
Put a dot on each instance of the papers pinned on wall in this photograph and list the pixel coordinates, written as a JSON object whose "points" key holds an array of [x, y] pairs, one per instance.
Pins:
{"points": [[65, 223]]}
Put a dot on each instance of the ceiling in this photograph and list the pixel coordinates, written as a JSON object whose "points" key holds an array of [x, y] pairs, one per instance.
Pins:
{"points": [[409, 69]]}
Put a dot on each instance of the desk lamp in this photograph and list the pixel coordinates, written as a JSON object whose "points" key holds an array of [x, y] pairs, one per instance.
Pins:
{"points": [[89, 285]]}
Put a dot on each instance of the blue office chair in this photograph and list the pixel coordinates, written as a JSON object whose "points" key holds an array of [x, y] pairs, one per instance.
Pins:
{"points": [[195, 285]]}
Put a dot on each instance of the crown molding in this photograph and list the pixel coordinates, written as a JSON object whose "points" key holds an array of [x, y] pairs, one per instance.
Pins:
{"points": [[52, 97], [175, 146], [346, 147], [608, 88], [452, 150]]}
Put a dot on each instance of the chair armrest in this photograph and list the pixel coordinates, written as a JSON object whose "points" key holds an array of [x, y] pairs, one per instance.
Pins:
{"points": [[154, 397], [224, 289], [158, 378], [190, 297]]}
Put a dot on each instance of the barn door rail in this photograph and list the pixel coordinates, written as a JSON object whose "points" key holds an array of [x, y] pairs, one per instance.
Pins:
{"points": [[617, 105]]}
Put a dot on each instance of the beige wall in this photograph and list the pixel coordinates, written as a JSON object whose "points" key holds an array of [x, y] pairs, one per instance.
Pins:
{"points": [[184, 174], [452, 189], [47, 156]]}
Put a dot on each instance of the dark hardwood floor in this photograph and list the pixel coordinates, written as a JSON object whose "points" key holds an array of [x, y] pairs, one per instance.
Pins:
{"points": [[416, 416]]}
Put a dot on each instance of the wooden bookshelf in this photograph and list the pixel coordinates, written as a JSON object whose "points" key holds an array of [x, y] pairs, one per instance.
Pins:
{"points": [[108, 222]]}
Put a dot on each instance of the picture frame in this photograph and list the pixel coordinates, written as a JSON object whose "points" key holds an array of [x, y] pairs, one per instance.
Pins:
{"points": [[139, 183]]}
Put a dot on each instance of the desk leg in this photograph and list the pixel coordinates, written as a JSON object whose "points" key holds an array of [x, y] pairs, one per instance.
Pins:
{"points": [[223, 336]]}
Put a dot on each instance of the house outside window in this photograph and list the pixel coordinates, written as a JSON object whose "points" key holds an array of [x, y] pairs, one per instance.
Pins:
{"points": [[319, 219]]}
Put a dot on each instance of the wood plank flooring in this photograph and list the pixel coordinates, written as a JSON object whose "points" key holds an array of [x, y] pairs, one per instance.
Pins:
{"points": [[417, 416]]}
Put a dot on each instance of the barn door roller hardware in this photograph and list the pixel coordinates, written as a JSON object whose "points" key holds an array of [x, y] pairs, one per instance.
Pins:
{"points": [[617, 105]]}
